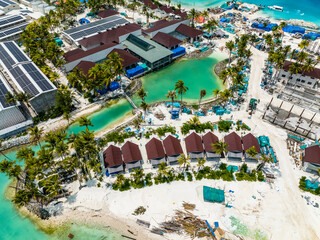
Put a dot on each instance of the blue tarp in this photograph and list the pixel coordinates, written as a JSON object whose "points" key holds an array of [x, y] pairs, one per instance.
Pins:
{"points": [[267, 28], [313, 36], [113, 86], [311, 185], [134, 71], [223, 19], [178, 51], [293, 29], [175, 104], [83, 21]]}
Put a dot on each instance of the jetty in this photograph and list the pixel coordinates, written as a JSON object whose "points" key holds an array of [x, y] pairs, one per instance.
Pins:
{"points": [[130, 101]]}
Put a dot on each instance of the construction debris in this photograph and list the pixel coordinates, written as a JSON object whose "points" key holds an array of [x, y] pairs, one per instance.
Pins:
{"points": [[188, 206]]}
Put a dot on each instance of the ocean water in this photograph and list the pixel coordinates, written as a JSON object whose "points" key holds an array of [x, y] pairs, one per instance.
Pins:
{"points": [[307, 10], [197, 74]]}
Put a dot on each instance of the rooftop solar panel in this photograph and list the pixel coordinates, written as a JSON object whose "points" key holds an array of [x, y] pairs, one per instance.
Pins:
{"points": [[3, 92], [10, 20], [5, 58], [24, 81], [9, 2], [3, 4], [12, 31], [37, 76], [16, 52], [140, 42], [95, 27]]}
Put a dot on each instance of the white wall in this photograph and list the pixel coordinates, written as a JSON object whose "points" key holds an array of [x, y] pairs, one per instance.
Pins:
{"points": [[304, 81]]}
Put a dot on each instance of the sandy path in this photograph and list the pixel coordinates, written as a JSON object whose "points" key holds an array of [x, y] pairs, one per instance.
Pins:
{"points": [[293, 208]]}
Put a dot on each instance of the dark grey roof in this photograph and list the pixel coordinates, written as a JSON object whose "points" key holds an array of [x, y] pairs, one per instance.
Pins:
{"points": [[146, 48]]}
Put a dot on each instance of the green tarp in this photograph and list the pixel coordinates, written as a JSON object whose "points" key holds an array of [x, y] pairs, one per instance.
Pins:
{"points": [[213, 194]]}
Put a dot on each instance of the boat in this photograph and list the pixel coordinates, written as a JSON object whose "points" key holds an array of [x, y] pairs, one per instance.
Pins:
{"points": [[275, 7]]}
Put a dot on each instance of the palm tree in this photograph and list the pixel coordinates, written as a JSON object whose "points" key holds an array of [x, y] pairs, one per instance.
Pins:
{"points": [[219, 147], [35, 134], [211, 25], [116, 62], [225, 94], [142, 94], [230, 46], [308, 65], [10, 98], [145, 107], [184, 160], [223, 75], [294, 68], [216, 92], [137, 175], [120, 179], [137, 122], [194, 121], [252, 152], [179, 6], [281, 26], [67, 116], [193, 14], [84, 121], [172, 95], [303, 44], [264, 159], [200, 163], [203, 93], [162, 168], [182, 89]]}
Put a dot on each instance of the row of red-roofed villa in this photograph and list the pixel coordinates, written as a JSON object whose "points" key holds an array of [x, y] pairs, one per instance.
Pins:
{"points": [[169, 150]]}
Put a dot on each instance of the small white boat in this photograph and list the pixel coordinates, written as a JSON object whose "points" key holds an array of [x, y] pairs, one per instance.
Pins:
{"points": [[275, 7]]}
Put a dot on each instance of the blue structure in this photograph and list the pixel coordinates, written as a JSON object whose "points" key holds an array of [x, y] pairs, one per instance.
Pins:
{"points": [[83, 21], [113, 86], [311, 35], [267, 28], [178, 51], [174, 113], [223, 19], [175, 104], [134, 71], [294, 29]]}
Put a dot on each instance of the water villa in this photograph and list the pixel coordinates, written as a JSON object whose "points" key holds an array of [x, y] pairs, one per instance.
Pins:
{"points": [[155, 152], [250, 141], [131, 155], [194, 146], [234, 148], [208, 139], [173, 148], [113, 159]]}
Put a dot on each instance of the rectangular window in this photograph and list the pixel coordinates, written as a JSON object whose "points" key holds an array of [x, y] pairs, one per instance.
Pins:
{"points": [[290, 77], [298, 80], [283, 75], [309, 83], [303, 81]]}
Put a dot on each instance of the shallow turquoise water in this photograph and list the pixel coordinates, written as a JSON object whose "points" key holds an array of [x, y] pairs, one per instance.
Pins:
{"points": [[306, 10], [197, 74]]}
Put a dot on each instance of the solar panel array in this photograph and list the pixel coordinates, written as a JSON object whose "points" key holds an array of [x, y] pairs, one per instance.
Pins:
{"points": [[139, 42], [12, 31], [95, 27], [3, 93], [10, 20], [5, 3], [24, 72]]}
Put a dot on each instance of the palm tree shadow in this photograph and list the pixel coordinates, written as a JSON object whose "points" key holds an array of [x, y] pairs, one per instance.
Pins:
{"points": [[72, 198]]}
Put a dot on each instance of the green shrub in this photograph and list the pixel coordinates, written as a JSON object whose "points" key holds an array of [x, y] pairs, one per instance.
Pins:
{"points": [[189, 176], [260, 176], [224, 126], [139, 211], [223, 166], [244, 168]]}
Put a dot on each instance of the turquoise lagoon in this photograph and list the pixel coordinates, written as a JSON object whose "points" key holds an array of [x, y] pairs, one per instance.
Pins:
{"points": [[196, 73]]}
